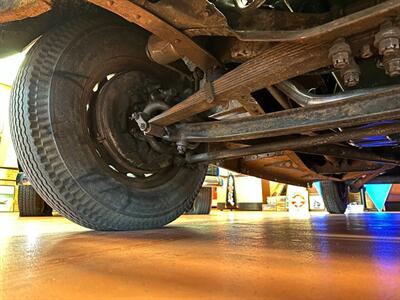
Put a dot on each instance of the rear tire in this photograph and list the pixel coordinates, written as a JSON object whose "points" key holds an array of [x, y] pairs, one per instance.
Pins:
{"points": [[30, 204], [202, 203], [55, 109], [335, 196]]}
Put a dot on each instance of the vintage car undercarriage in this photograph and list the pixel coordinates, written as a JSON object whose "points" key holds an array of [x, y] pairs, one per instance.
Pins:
{"points": [[295, 91]]}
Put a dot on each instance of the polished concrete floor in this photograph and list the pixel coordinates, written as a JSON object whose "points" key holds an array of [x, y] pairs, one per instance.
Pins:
{"points": [[227, 255]]}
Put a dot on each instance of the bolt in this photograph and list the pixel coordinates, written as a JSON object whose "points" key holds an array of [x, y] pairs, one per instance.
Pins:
{"points": [[181, 149], [366, 51], [392, 64], [351, 79], [205, 13], [135, 116], [351, 74], [387, 40], [142, 126], [388, 46], [340, 54]]}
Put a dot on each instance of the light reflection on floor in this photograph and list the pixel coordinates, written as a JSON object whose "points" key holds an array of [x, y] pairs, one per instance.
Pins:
{"points": [[227, 255]]}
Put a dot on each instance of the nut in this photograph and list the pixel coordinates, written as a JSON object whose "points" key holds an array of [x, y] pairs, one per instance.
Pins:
{"points": [[387, 40], [351, 79], [351, 74], [366, 51], [340, 54], [181, 149]]}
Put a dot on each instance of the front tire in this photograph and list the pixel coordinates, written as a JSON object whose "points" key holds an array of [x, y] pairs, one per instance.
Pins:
{"points": [[72, 133]]}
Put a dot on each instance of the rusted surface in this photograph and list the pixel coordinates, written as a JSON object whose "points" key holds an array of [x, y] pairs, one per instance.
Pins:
{"points": [[13, 10], [366, 177], [250, 105], [345, 166], [358, 22], [287, 167], [142, 17], [186, 14], [347, 152], [269, 68], [373, 107], [273, 66], [297, 143]]}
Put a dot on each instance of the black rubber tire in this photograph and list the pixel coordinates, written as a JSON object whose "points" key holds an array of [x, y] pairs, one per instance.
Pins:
{"points": [[202, 203], [51, 141], [335, 196], [30, 204]]}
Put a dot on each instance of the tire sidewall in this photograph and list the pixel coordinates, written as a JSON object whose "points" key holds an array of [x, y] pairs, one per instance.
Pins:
{"points": [[90, 192]]}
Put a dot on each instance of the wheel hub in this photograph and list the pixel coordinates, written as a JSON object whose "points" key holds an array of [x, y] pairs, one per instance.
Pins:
{"points": [[119, 139]]}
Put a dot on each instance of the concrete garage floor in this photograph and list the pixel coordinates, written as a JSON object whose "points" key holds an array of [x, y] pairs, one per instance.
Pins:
{"points": [[228, 255]]}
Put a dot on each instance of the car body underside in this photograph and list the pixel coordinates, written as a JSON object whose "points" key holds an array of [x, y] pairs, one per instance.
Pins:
{"points": [[294, 91]]}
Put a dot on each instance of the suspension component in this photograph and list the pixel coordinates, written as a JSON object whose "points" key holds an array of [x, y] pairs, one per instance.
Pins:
{"points": [[145, 127], [161, 51]]}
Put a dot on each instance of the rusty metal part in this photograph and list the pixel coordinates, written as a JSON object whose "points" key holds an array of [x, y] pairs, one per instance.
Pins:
{"points": [[279, 97], [386, 179], [373, 107], [229, 112], [269, 68], [199, 15], [11, 10], [296, 143], [351, 74], [359, 183], [184, 45], [274, 166], [387, 40], [345, 166], [352, 153], [208, 88], [262, 19], [304, 98], [357, 22], [250, 105], [145, 127], [366, 51], [391, 63], [340, 54], [161, 51]]}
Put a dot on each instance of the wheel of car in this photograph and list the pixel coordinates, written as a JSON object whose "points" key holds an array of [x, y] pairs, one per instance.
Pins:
{"points": [[335, 196], [72, 126], [202, 203], [30, 204]]}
